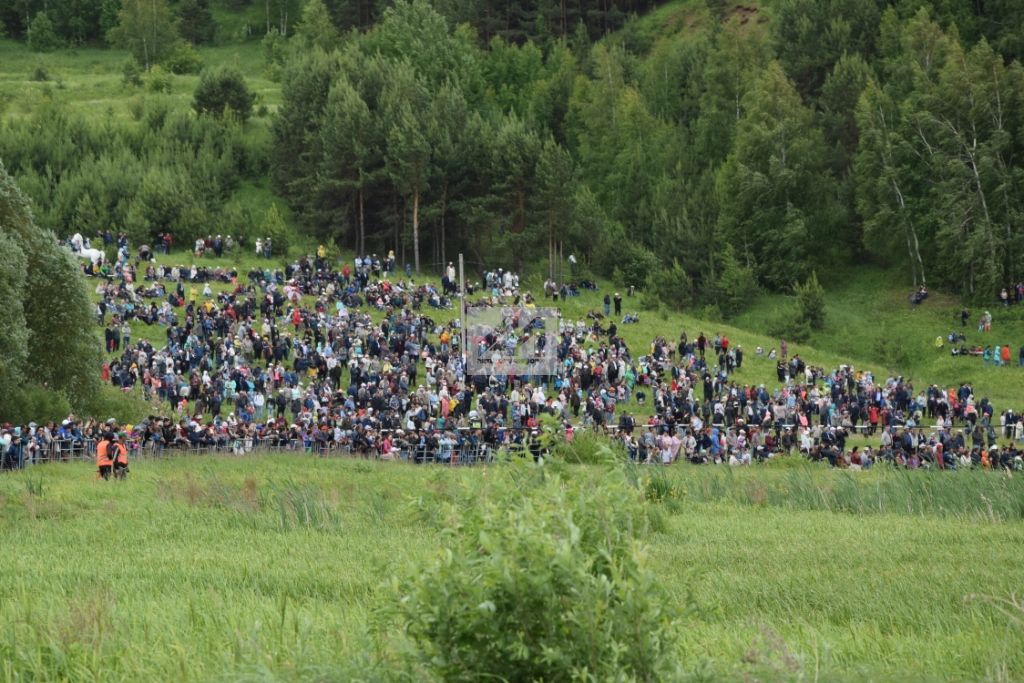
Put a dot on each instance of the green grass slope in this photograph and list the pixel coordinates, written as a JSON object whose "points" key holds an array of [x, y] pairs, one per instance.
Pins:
{"points": [[90, 80], [869, 319]]}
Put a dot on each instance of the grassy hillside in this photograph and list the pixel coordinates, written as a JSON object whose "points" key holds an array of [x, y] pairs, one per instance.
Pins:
{"points": [[274, 568], [682, 19], [869, 318], [90, 80], [869, 325]]}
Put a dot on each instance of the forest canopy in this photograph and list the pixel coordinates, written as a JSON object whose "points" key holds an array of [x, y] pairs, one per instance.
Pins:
{"points": [[707, 150]]}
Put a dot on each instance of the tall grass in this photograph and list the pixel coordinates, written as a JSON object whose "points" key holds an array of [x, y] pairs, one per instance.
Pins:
{"points": [[271, 567], [966, 495]]}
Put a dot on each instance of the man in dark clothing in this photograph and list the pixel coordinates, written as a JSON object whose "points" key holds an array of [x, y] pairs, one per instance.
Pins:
{"points": [[618, 304]]}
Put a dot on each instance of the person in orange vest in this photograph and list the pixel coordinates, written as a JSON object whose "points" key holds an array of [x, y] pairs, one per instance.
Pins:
{"points": [[120, 455], [103, 461]]}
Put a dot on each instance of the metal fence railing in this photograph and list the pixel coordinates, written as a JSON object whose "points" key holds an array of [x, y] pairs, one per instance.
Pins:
{"points": [[456, 447], [84, 450]]}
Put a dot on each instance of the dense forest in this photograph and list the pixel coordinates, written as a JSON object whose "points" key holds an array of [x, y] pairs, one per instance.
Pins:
{"points": [[754, 145]]}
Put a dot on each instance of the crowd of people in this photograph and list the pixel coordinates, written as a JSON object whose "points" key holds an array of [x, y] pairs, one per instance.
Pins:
{"points": [[292, 357]]}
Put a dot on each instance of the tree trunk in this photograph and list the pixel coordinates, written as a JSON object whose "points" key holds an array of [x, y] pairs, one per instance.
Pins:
{"points": [[400, 232], [913, 247], [361, 239], [444, 208], [416, 230], [561, 264], [984, 205]]}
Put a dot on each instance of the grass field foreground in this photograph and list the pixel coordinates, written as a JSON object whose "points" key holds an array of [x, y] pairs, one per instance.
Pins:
{"points": [[276, 567]]}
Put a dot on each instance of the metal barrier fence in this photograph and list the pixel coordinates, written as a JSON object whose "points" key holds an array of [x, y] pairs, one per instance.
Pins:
{"points": [[84, 450], [446, 452]]}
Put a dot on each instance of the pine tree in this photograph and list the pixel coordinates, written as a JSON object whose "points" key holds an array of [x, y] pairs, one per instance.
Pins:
{"points": [[41, 34], [195, 21], [315, 28]]}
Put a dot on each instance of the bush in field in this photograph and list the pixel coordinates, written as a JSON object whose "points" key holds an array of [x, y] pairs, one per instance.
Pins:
{"points": [[41, 34], [669, 287], [542, 584], [158, 80], [735, 286], [810, 298], [588, 447], [223, 90], [785, 323], [274, 227], [131, 74], [184, 60], [634, 264]]}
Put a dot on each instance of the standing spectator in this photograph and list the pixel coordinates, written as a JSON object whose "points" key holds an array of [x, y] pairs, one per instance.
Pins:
{"points": [[618, 304], [607, 305]]}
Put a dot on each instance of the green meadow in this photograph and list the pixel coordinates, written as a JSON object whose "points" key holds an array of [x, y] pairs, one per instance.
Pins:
{"points": [[282, 568]]}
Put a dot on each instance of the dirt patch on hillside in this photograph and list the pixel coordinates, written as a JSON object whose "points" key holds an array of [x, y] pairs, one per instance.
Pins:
{"points": [[744, 14]]}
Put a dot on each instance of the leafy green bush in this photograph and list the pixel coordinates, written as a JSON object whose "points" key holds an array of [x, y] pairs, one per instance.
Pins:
{"points": [[158, 80], [131, 74], [184, 60], [223, 90], [110, 401], [544, 580], [669, 286], [633, 264], [892, 351], [275, 48], [810, 299], [274, 227], [237, 220], [588, 447], [40, 74], [787, 324], [33, 402], [42, 37], [137, 108], [735, 286]]}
